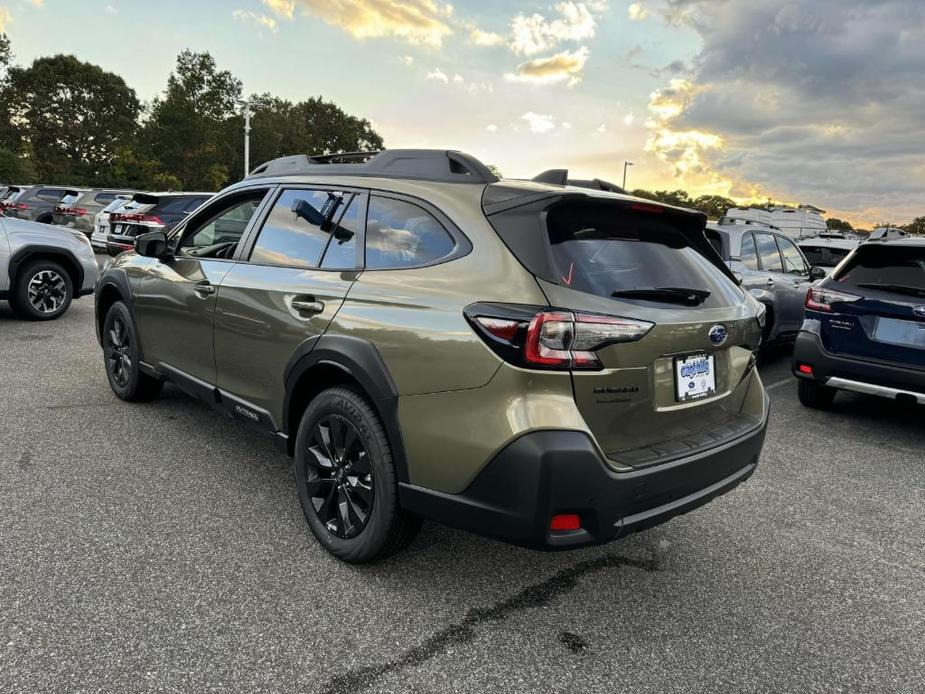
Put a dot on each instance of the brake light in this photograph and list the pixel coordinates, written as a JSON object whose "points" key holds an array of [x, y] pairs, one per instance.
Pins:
{"points": [[649, 209], [821, 299], [533, 337], [806, 369], [71, 211], [565, 521], [142, 218]]}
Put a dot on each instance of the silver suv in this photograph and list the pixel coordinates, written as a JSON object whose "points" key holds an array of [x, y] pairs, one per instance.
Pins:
{"points": [[42, 268], [773, 270]]}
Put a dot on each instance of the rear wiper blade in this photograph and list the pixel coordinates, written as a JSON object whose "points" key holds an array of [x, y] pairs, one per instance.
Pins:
{"points": [[898, 288], [668, 295]]}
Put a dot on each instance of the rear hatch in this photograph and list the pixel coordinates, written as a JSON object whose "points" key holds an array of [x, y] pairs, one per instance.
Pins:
{"points": [[881, 311], [68, 209], [682, 385], [148, 212]]}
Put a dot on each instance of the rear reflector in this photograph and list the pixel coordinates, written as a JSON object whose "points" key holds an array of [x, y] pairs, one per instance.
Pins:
{"points": [[806, 369], [565, 521]]}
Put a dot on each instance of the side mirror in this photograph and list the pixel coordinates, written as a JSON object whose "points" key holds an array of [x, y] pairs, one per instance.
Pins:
{"points": [[151, 245], [817, 273]]}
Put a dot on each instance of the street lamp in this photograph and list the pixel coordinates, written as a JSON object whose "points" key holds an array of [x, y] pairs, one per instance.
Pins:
{"points": [[246, 104], [625, 164]]}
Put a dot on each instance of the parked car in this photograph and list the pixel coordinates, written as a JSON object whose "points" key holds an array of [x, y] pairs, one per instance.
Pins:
{"points": [[37, 203], [8, 197], [552, 366], [827, 250], [42, 269], [149, 212], [865, 327], [771, 268], [78, 210], [100, 235]]}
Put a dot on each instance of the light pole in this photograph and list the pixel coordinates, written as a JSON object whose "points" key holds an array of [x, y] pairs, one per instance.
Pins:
{"points": [[247, 134], [625, 164]]}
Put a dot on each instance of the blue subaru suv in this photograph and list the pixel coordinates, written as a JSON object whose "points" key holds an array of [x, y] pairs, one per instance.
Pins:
{"points": [[864, 327]]}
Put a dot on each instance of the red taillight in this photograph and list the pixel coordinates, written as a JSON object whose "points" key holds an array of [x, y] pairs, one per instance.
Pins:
{"points": [[551, 339], [565, 521], [19, 206], [499, 327], [71, 211], [821, 299], [548, 339], [142, 218], [805, 369]]}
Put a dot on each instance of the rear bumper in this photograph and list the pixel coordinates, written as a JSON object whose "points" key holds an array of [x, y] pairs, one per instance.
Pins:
{"points": [[858, 375], [545, 473]]}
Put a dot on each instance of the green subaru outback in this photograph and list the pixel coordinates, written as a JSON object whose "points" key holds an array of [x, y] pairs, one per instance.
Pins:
{"points": [[541, 363]]}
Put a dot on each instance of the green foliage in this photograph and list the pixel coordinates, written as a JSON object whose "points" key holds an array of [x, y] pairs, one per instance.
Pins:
{"points": [[713, 206], [65, 121], [916, 226], [69, 116], [835, 224]]}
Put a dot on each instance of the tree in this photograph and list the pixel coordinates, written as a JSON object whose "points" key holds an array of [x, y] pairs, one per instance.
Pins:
{"points": [[315, 126], [835, 224], [70, 116], [679, 198], [713, 206], [916, 226], [186, 129]]}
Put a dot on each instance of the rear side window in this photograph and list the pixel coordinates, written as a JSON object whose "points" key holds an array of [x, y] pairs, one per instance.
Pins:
{"points": [[793, 259], [53, 194], [298, 227], [749, 255], [887, 268], [768, 253], [104, 197], [68, 200], [402, 234], [602, 249]]}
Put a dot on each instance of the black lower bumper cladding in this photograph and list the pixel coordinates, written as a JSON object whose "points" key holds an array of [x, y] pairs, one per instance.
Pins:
{"points": [[546, 473]]}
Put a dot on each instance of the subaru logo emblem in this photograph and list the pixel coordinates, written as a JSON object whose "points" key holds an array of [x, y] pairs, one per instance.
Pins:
{"points": [[718, 335], [919, 311]]}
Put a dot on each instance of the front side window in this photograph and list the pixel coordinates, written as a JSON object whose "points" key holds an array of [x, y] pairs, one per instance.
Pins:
{"points": [[749, 255], [219, 236], [402, 234], [768, 253], [298, 227], [793, 259]]}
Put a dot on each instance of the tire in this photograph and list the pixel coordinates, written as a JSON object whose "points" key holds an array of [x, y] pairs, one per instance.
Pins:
{"points": [[816, 395], [121, 357], [43, 290], [356, 517]]}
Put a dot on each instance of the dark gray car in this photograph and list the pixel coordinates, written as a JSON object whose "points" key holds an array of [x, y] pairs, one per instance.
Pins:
{"points": [[77, 210], [37, 204], [772, 268]]}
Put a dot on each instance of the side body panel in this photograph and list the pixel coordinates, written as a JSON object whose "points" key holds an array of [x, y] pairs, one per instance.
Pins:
{"points": [[4, 260]]}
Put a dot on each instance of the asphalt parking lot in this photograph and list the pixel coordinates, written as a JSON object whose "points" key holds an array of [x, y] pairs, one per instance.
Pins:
{"points": [[161, 547]]}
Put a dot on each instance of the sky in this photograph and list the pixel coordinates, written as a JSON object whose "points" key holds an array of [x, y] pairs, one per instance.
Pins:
{"points": [[803, 101]]}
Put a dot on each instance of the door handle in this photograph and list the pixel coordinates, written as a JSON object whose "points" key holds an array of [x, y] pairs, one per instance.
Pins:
{"points": [[307, 305], [204, 289]]}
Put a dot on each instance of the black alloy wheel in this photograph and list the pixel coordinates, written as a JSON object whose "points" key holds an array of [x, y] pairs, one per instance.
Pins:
{"points": [[119, 351], [339, 477]]}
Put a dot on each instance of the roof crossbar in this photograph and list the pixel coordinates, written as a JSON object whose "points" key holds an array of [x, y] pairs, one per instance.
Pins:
{"points": [[447, 166]]}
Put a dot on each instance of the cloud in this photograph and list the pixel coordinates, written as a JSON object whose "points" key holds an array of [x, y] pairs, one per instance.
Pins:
{"points": [[819, 102], [438, 75], [477, 37], [415, 21], [38, 3], [637, 11], [111, 9], [5, 18], [261, 20], [564, 66], [629, 119], [282, 8], [491, 127], [539, 122], [532, 34], [406, 60]]}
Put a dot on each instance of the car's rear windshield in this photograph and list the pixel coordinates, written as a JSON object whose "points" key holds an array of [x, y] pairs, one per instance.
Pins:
{"points": [[875, 266], [177, 205], [69, 199], [603, 249]]}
